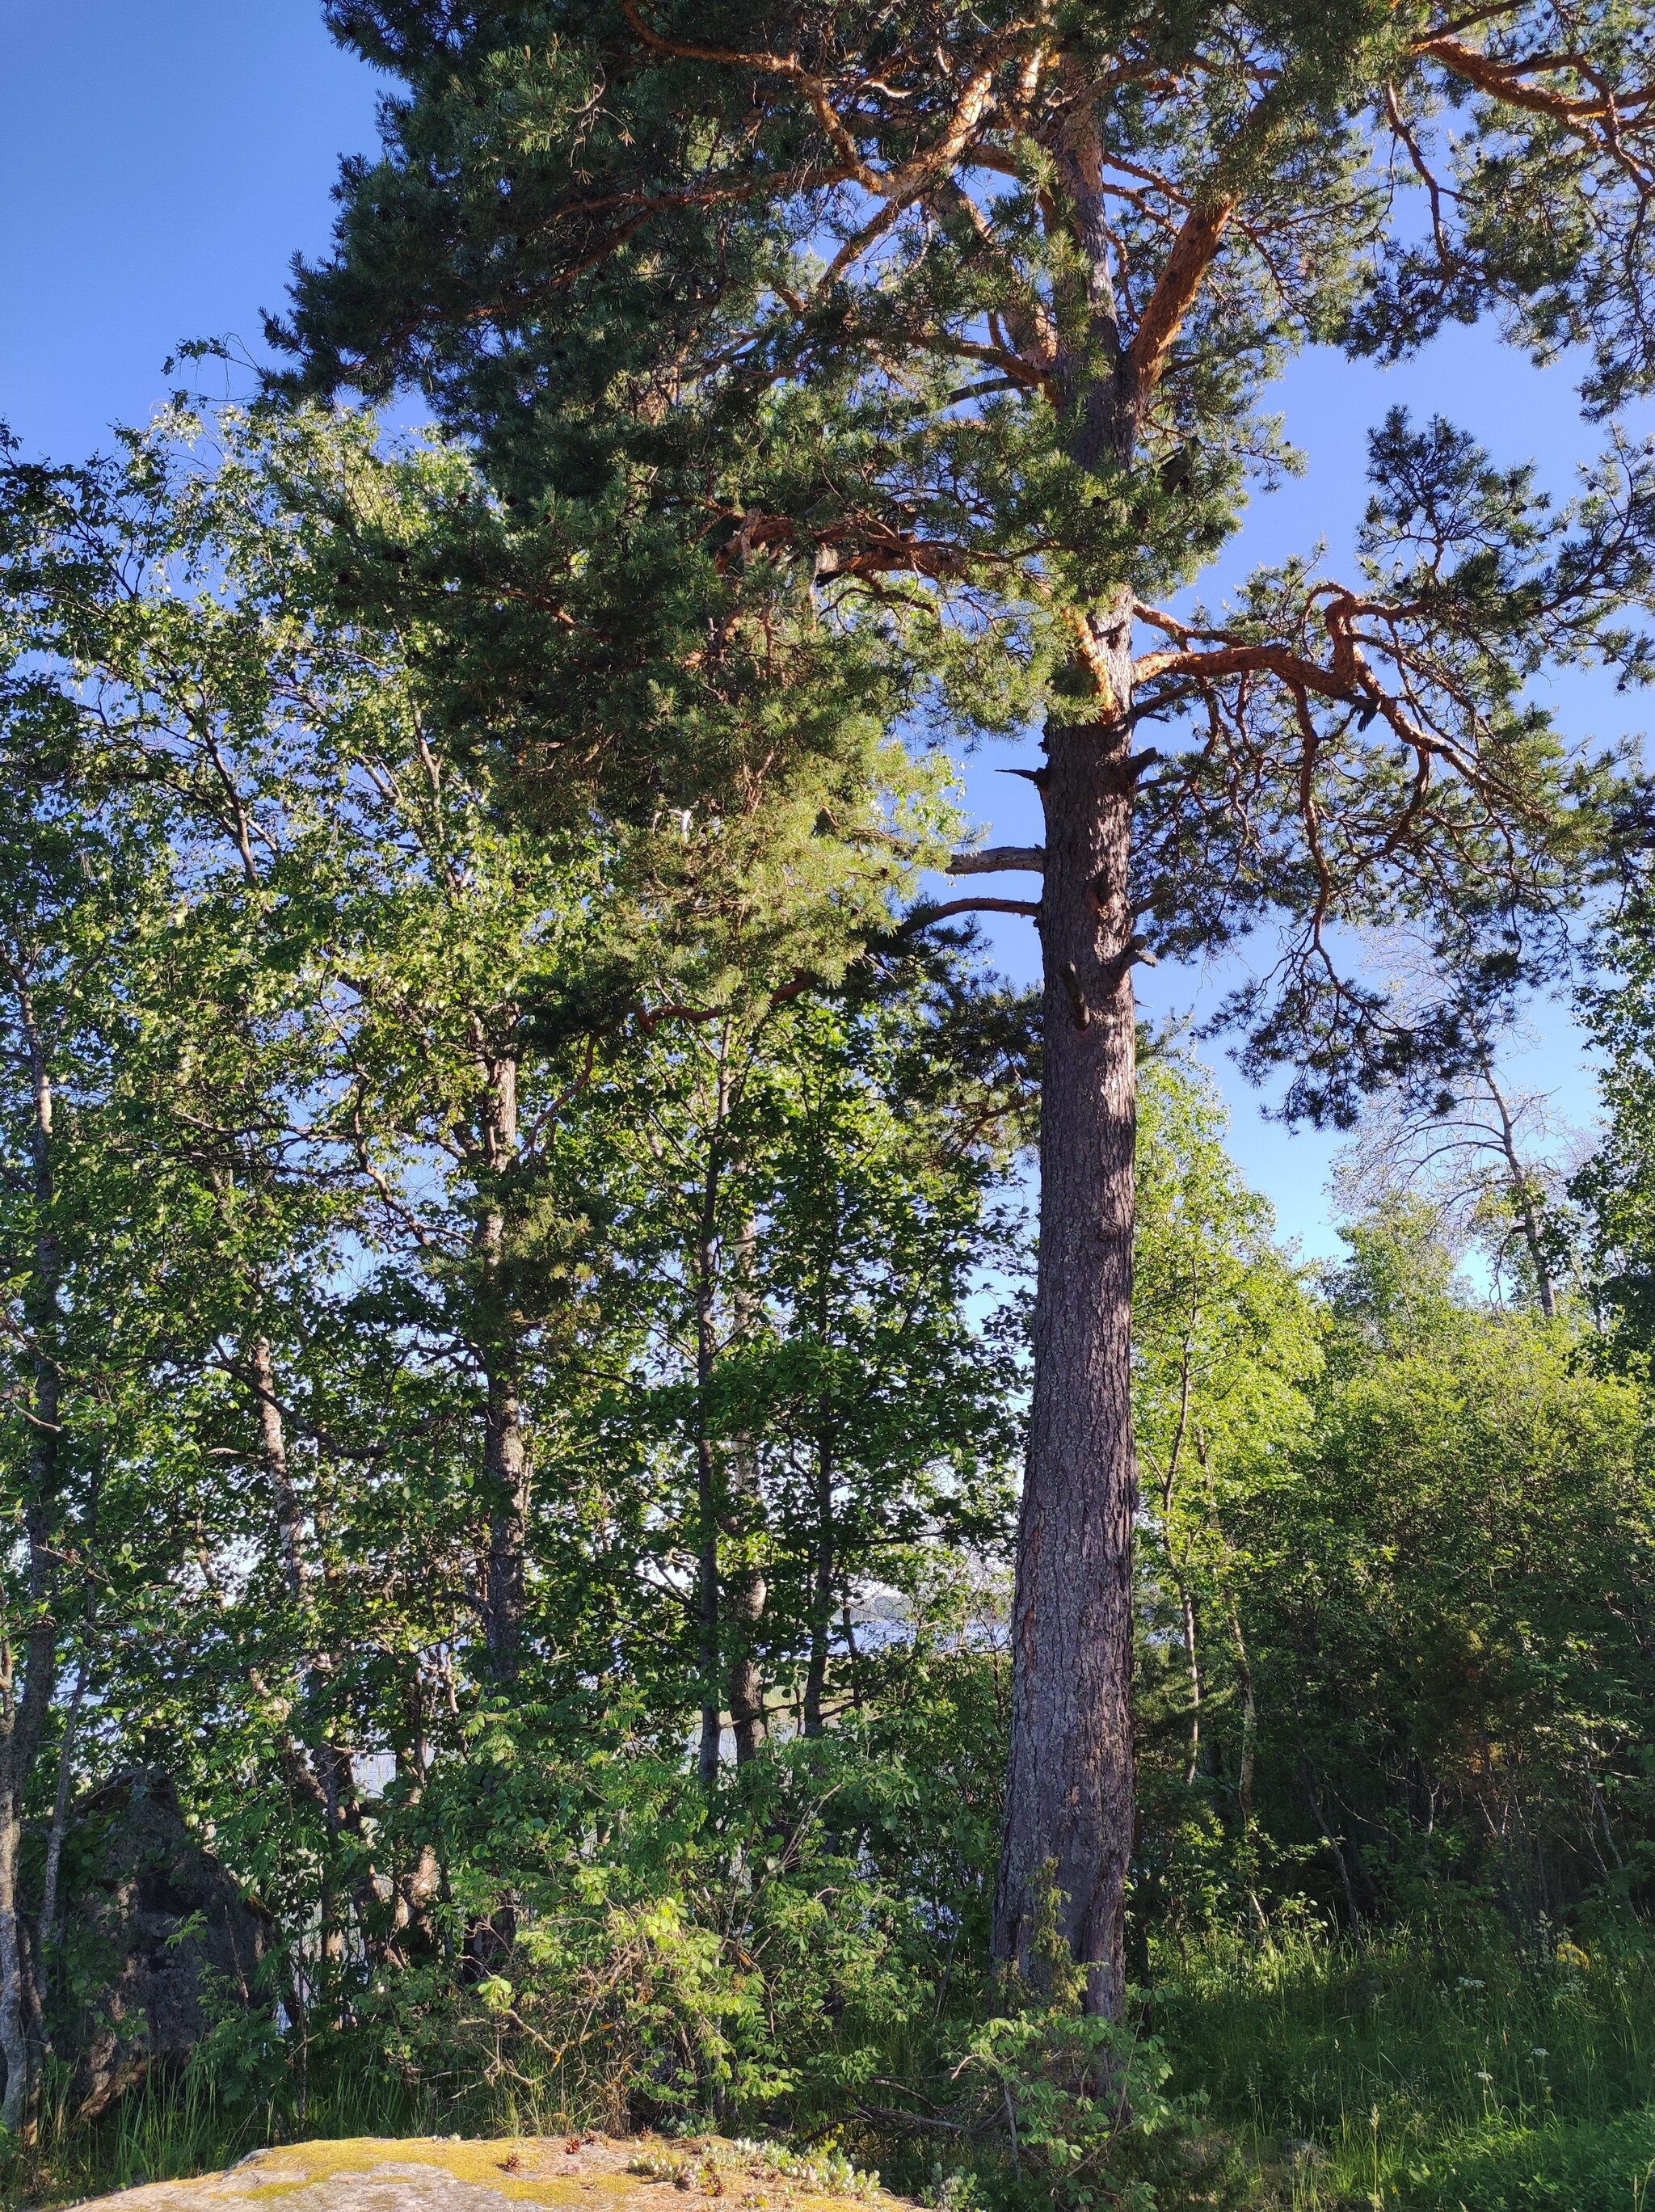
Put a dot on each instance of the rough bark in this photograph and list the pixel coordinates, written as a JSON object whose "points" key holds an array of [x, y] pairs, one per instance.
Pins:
{"points": [[745, 1687], [1069, 1797], [1072, 1784]]}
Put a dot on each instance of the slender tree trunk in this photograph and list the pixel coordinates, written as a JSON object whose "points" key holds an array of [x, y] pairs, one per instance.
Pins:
{"points": [[59, 1828], [709, 1498], [1243, 1663], [506, 1468], [417, 1889], [15, 2009], [23, 1716], [1181, 1577], [821, 1613], [1187, 1602], [46, 1934], [505, 1472], [706, 1612], [853, 1657], [706, 1509], [1249, 1719], [314, 1666], [333, 1784], [745, 1591], [1338, 1857], [745, 1690], [744, 1598], [1247, 1856], [1070, 1785], [273, 1445]]}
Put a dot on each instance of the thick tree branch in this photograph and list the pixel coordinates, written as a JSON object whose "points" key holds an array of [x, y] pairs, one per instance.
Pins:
{"points": [[1509, 81], [1193, 254], [997, 858]]}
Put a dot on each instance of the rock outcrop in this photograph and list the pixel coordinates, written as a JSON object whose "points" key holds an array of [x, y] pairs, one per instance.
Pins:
{"points": [[159, 1937], [519, 2173]]}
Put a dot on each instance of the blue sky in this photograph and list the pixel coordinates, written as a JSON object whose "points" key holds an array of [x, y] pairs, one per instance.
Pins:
{"points": [[160, 161]]}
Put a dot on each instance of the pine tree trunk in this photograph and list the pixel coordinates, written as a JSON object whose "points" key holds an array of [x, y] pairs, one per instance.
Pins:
{"points": [[1069, 1797]]}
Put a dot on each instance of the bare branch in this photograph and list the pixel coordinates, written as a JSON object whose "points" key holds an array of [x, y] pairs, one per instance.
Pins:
{"points": [[923, 917]]}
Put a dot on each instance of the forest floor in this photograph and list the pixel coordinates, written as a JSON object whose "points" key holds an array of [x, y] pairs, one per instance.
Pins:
{"points": [[378, 2173]]}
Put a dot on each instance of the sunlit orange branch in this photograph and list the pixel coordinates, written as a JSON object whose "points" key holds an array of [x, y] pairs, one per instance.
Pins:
{"points": [[1193, 254], [1509, 81]]}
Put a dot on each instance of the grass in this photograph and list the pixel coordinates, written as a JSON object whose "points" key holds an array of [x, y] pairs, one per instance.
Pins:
{"points": [[1417, 2072], [170, 2126]]}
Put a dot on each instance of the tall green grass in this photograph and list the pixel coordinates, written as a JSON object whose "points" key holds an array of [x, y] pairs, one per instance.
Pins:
{"points": [[170, 2125], [1420, 2070]]}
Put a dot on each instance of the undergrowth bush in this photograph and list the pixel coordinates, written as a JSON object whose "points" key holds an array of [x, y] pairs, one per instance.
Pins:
{"points": [[800, 1963], [1430, 2067]]}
